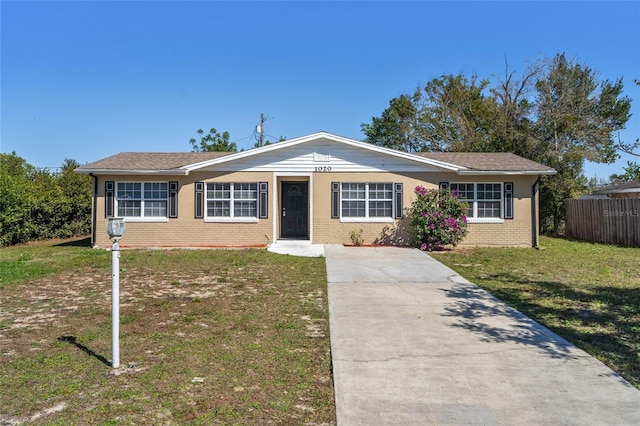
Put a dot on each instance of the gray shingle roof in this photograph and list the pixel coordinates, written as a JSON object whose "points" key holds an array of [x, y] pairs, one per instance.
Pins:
{"points": [[151, 160], [166, 161], [633, 186], [487, 161]]}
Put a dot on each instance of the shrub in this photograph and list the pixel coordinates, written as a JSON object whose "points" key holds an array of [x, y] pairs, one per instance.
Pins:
{"points": [[356, 237], [437, 219]]}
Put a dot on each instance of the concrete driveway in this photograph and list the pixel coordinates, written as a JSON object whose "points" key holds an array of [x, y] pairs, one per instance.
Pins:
{"points": [[413, 343]]}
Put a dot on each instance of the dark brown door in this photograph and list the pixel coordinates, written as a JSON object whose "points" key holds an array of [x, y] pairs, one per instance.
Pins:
{"points": [[294, 212]]}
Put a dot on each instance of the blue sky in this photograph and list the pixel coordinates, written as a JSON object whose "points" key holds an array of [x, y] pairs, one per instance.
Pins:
{"points": [[85, 80]]}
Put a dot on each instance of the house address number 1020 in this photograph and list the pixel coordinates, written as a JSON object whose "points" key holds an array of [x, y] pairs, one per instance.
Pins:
{"points": [[323, 168]]}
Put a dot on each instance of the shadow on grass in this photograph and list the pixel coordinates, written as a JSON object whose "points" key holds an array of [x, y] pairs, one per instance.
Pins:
{"points": [[477, 311], [73, 341], [602, 320], [83, 242]]}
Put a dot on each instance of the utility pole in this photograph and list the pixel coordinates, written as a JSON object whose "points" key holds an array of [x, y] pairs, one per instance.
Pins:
{"points": [[261, 143]]}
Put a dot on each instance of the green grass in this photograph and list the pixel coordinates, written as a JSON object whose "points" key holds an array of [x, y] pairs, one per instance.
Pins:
{"points": [[30, 261], [587, 293], [207, 337]]}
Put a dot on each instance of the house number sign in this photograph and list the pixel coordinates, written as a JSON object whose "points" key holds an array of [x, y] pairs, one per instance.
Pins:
{"points": [[323, 168]]}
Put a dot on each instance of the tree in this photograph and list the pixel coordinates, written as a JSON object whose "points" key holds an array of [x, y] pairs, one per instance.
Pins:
{"points": [[16, 201], [455, 114], [631, 148], [213, 142], [268, 142], [576, 119], [398, 127], [36, 204], [76, 199], [450, 113], [512, 130], [631, 173], [558, 113]]}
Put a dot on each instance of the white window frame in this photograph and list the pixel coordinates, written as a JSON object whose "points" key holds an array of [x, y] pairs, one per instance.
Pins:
{"points": [[367, 200], [231, 200], [474, 202], [142, 199]]}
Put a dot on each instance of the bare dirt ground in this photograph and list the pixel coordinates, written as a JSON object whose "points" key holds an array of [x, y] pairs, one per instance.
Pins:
{"points": [[235, 343]]}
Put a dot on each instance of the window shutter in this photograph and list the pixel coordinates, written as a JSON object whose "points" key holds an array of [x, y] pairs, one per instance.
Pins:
{"points": [[398, 200], [508, 200], [199, 200], [109, 198], [173, 199], [335, 200], [444, 185], [263, 200]]}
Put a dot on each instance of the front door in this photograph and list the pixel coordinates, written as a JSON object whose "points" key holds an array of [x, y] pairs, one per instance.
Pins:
{"points": [[294, 211]]}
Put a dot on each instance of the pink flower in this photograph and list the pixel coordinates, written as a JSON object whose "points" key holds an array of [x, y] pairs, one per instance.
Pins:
{"points": [[421, 190]]}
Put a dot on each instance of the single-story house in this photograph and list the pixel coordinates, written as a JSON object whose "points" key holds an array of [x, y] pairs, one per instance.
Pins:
{"points": [[318, 188], [620, 190]]}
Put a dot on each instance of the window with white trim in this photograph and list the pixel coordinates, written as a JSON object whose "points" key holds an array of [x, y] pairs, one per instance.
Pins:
{"points": [[484, 199], [366, 200], [232, 200], [142, 199]]}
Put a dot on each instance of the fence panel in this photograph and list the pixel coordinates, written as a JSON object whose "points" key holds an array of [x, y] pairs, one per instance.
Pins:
{"points": [[612, 221]]}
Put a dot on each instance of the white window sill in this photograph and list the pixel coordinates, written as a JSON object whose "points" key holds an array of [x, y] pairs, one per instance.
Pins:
{"points": [[485, 220], [367, 220], [231, 219], [131, 219]]}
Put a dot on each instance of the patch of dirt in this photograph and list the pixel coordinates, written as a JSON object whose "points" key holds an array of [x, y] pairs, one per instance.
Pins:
{"points": [[50, 300]]}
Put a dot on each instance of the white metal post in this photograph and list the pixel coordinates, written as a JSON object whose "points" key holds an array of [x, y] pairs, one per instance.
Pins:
{"points": [[115, 304]]}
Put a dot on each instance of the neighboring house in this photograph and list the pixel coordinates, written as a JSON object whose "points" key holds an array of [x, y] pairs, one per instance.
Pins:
{"points": [[319, 188], [619, 190]]}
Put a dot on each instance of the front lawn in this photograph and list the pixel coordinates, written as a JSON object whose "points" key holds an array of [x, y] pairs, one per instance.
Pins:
{"points": [[207, 337], [587, 293]]}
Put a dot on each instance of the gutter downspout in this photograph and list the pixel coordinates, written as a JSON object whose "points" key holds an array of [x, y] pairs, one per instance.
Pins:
{"points": [[534, 214], [94, 198]]}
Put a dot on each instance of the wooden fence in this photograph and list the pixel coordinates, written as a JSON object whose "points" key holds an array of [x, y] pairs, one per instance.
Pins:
{"points": [[612, 221]]}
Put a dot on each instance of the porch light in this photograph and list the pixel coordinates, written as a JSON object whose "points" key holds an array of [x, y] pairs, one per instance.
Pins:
{"points": [[115, 229]]}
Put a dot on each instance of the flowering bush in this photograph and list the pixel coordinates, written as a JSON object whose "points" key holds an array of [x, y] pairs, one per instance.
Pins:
{"points": [[437, 218]]}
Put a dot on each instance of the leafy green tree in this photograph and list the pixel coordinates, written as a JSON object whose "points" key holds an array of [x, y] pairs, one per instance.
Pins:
{"points": [[450, 113], [398, 127], [213, 142], [16, 201], [631, 173], [558, 113], [36, 204], [576, 119], [75, 199], [456, 115]]}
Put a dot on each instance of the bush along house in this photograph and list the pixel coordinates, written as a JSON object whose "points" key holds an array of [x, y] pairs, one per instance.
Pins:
{"points": [[319, 188]]}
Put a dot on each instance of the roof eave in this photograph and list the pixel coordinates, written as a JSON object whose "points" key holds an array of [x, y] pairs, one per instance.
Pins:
{"points": [[121, 172], [506, 172]]}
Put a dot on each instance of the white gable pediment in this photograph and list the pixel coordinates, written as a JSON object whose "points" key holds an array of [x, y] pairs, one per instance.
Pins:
{"points": [[324, 152]]}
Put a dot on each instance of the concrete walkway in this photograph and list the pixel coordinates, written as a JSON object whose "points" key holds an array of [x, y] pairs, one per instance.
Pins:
{"points": [[413, 343]]}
